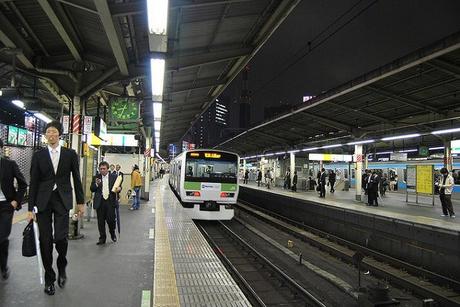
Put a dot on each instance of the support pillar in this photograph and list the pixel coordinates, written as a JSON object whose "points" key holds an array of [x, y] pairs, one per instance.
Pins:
{"points": [[292, 165], [448, 159], [147, 169], [75, 143], [358, 170]]}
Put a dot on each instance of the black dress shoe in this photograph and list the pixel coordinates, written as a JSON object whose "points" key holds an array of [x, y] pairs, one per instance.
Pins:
{"points": [[100, 242], [62, 279], [114, 238], [50, 290], [5, 274]]}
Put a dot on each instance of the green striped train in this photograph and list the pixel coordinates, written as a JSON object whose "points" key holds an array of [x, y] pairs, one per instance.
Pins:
{"points": [[206, 183]]}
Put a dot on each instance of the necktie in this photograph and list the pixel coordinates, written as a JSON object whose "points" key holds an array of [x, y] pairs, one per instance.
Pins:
{"points": [[105, 187]]}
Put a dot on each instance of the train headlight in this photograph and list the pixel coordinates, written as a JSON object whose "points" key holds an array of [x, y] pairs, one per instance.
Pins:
{"points": [[226, 194], [193, 193]]}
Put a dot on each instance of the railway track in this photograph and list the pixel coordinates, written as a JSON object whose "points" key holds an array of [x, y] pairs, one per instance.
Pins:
{"points": [[264, 283], [424, 283]]}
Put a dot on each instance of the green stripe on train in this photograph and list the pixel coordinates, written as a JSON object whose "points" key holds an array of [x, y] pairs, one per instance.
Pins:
{"points": [[192, 185], [228, 187]]}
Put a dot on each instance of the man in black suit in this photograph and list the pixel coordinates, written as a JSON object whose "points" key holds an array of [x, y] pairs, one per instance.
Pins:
{"points": [[10, 200], [322, 183], [105, 201], [51, 192]]}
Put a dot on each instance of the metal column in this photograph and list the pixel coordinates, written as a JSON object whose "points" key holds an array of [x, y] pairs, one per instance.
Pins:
{"points": [[358, 170]]}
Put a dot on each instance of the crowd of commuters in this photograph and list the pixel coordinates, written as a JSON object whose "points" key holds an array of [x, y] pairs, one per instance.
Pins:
{"points": [[50, 199]]}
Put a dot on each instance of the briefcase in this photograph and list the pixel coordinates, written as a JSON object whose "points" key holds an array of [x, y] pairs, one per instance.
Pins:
{"points": [[28, 241]]}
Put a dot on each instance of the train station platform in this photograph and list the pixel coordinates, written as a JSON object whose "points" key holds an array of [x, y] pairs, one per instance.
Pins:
{"points": [[160, 259], [411, 233], [391, 205]]}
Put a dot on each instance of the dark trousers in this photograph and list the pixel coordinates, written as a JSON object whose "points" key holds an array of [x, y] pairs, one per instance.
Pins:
{"points": [[322, 191], [57, 214], [372, 198], [332, 185], [446, 202], [6, 220], [294, 187], [105, 214]]}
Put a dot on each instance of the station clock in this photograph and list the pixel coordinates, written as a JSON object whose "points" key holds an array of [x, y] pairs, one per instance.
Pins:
{"points": [[124, 109]]}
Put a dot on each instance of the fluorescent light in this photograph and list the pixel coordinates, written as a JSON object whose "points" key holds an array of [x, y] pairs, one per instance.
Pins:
{"points": [[408, 150], [157, 71], [331, 146], [157, 125], [157, 13], [157, 140], [446, 131], [157, 147], [311, 148], [157, 134], [384, 153], [361, 142], [157, 109], [436, 148], [399, 137], [43, 117], [294, 151], [268, 155], [18, 103], [280, 153]]}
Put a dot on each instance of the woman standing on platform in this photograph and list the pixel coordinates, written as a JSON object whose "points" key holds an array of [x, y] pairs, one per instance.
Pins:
{"points": [[136, 184], [446, 184]]}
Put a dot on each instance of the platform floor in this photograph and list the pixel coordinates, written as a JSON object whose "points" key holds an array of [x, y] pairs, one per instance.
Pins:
{"points": [[392, 205], [158, 241], [186, 268]]}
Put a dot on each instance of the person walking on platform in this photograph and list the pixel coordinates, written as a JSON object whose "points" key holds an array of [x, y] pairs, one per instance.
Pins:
{"points": [[373, 189], [259, 177], [287, 180], [105, 201], [294, 182], [51, 192], [136, 184], [246, 177], [446, 185], [268, 179], [322, 183], [332, 177], [10, 200], [112, 169]]}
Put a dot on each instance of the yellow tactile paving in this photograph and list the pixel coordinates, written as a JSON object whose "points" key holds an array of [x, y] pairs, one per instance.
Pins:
{"points": [[164, 280]]}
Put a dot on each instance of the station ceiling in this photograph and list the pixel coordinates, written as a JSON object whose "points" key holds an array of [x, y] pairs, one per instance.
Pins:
{"points": [[98, 49], [418, 93]]}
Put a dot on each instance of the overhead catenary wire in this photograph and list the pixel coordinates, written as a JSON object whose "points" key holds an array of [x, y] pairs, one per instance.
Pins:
{"points": [[312, 47]]}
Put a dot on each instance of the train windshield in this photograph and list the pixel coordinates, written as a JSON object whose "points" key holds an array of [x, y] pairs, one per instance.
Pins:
{"points": [[211, 167]]}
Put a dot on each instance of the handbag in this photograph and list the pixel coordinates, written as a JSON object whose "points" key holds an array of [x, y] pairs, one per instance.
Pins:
{"points": [[28, 241]]}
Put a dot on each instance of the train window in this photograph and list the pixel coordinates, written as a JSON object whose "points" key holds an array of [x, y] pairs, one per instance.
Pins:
{"points": [[202, 169], [456, 175]]}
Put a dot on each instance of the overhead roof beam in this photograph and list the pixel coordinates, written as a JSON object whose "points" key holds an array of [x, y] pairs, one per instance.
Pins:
{"points": [[177, 63], [95, 83], [58, 25], [366, 114], [271, 136], [446, 67], [195, 85], [327, 122], [112, 35], [406, 101]]}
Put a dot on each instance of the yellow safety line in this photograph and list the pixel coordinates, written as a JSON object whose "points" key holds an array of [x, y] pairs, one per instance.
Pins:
{"points": [[165, 291]]}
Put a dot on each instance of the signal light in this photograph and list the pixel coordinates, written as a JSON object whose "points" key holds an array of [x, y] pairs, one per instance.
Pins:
{"points": [[193, 193]]}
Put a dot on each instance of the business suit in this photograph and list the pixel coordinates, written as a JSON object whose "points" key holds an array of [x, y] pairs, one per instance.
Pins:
{"points": [[322, 184], [9, 170], [105, 208], [51, 192]]}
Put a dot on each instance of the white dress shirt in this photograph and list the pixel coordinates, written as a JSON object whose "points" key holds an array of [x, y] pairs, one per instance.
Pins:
{"points": [[105, 187], [55, 154]]}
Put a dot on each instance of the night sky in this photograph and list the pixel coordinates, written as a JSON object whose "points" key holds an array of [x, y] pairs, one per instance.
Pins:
{"points": [[372, 34]]}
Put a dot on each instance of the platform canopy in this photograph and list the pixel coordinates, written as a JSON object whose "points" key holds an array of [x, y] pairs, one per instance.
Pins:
{"points": [[99, 49], [418, 93]]}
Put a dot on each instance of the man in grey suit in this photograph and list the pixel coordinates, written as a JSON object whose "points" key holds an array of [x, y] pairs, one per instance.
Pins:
{"points": [[105, 201]]}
